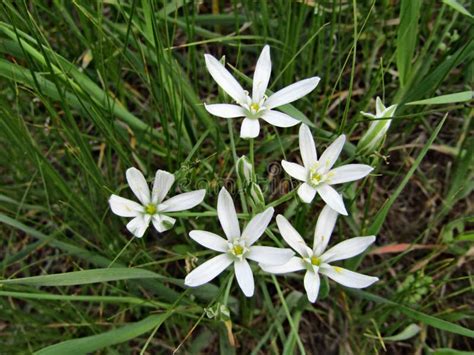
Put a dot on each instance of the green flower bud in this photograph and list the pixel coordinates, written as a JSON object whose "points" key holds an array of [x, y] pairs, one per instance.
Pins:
{"points": [[372, 139], [256, 196], [245, 170]]}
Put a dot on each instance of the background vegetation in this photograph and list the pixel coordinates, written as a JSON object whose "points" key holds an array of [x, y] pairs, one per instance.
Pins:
{"points": [[88, 89]]}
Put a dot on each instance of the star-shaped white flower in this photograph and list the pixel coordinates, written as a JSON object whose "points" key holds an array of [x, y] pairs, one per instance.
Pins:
{"points": [[318, 175], [152, 205], [237, 249], [317, 261], [258, 106]]}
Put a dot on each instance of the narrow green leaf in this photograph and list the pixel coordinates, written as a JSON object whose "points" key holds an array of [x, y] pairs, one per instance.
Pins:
{"points": [[407, 333], [85, 277], [92, 343], [458, 7], [446, 99]]}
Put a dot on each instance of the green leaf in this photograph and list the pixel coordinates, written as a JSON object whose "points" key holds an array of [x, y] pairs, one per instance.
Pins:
{"points": [[85, 277], [92, 343], [458, 7], [382, 214], [407, 333], [407, 38], [417, 315], [446, 99]]}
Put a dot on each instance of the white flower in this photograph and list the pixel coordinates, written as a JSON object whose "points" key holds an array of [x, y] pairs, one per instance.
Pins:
{"points": [[377, 129], [317, 261], [318, 175], [237, 248], [152, 206], [257, 106]]}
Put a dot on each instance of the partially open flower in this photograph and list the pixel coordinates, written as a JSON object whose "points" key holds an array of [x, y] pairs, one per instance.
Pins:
{"points": [[152, 205]]}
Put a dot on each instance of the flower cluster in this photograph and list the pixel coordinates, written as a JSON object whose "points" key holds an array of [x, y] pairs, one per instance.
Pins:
{"points": [[317, 177]]}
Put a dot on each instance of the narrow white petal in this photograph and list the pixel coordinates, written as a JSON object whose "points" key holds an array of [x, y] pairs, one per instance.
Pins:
{"points": [[269, 255], [350, 172], [307, 147], [324, 227], [227, 215], [162, 223], [330, 155], [295, 170], [208, 270], [225, 110], [291, 236], [244, 276], [306, 192], [261, 75], [183, 201], [379, 107], [257, 225], [225, 79], [162, 184], [292, 92], [250, 128], [138, 184], [138, 225], [332, 198], [209, 240], [347, 249], [124, 207], [293, 265], [279, 119], [311, 285], [346, 277]]}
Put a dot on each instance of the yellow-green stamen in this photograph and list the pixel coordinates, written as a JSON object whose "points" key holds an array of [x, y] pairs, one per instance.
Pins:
{"points": [[150, 209], [238, 250], [315, 261], [255, 107]]}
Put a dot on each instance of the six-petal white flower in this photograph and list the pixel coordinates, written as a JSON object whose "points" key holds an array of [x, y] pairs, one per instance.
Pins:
{"points": [[237, 248], [317, 261], [152, 204], [257, 106], [318, 175]]}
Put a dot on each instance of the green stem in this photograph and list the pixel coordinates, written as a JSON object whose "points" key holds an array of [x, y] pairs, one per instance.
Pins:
{"points": [[234, 153], [227, 289], [283, 199], [120, 252]]}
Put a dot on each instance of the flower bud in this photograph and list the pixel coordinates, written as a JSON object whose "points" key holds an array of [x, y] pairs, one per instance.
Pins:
{"points": [[256, 196], [378, 128], [245, 170]]}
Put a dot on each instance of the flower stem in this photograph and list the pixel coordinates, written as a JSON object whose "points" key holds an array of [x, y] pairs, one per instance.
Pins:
{"points": [[120, 252], [283, 199], [234, 154]]}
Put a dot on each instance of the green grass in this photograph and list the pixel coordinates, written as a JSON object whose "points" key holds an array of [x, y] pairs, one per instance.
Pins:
{"points": [[89, 89]]}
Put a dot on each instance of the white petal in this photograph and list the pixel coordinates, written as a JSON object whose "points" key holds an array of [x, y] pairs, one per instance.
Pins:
{"points": [[269, 255], [138, 225], [324, 227], [225, 79], [306, 192], [291, 236], [138, 184], [379, 107], [162, 184], [250, 128], [162, 223], [225, 110], [346, 277], [244, 276], [257, 225], [347, 249], [124, 207], [294, 264], [208, 270], [332, 198], [307, 147], [279, 119], [227, 215], [261, 75], [209, 240], [311, 285], [349, 172], [292, 92], [295, 170], [330, 155], [183, 201]]}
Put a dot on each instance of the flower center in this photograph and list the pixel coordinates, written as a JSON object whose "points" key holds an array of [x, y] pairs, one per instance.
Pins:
{"points": [[317, 177], [255, 107], [315, 260], [150, 209], [238, 250]]}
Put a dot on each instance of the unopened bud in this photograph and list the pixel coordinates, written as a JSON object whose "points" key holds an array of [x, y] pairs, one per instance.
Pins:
{"points": [[245, 170]]}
